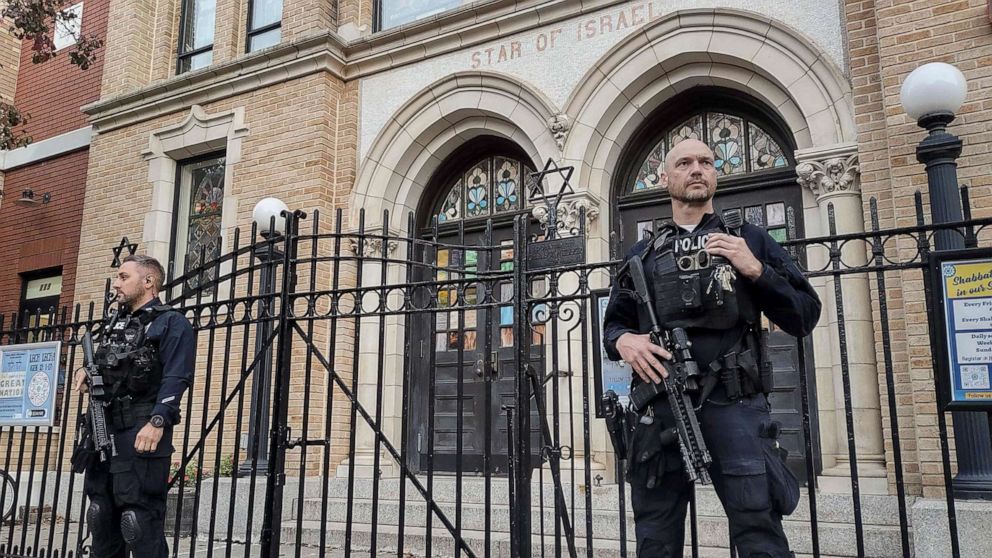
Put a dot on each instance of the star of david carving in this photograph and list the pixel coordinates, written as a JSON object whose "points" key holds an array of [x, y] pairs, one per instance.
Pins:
{"points": [[537, 186], [131, 248]]}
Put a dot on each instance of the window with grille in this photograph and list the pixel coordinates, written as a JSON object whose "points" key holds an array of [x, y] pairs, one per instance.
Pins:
{"points": [[197, 221]]}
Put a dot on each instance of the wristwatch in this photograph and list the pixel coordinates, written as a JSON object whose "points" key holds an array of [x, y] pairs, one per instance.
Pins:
{"points": [[158, 421]]}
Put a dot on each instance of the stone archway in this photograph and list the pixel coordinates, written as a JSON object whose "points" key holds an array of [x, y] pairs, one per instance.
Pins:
{"points": [[398, 168], [432, 124]]}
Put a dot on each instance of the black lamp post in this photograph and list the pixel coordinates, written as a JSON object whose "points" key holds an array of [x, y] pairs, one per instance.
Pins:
{"points": [[271, 225], [930, 95]]}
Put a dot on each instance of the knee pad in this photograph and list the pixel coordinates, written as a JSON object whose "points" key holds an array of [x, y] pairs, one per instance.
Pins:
{"points": [[97, 517], [130, 527]]}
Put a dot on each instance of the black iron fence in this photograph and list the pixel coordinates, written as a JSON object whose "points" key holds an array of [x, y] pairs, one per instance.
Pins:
{"points": [[382, 393]]}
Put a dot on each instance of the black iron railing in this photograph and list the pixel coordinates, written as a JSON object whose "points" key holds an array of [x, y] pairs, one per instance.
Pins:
{"points": [[433, 397]]}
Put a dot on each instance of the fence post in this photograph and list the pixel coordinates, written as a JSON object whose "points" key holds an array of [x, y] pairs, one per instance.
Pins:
{"points": [[276, 480], [521, 337]]}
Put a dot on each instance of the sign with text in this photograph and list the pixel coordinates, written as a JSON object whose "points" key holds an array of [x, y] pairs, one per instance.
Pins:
{"points": [[29, 375], [965, 291], [559, 252], [608, 374]]}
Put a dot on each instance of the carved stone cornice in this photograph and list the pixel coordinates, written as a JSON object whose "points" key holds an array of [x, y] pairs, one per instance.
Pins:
{"points": [[568, 212], [372, 247], [830, 171], [560, 124]]}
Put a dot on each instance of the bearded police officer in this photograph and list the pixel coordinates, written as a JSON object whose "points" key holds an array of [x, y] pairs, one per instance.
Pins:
{"points": [[145, 355], [713, 280]]}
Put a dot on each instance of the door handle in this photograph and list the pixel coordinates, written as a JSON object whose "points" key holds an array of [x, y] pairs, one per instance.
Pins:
{"points": [[493, 365]]}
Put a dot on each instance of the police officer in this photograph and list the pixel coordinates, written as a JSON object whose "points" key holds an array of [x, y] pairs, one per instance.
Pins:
{"points": [[714, 281], [145, 354]]}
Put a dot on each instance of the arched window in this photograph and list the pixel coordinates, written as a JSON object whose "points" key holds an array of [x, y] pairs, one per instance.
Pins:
{"points": [[741, 146], [753, 156], [492, 186]]}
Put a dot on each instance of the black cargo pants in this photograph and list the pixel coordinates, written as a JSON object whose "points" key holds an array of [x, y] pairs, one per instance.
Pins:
{"points": [[127, 496], [740, 459]]}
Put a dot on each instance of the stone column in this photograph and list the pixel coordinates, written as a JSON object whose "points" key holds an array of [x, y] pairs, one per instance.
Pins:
{"points": [[833, 176], [368, 353]]}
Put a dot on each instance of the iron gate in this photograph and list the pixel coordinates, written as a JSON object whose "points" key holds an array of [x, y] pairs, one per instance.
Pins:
{"points": [[301, 430]]}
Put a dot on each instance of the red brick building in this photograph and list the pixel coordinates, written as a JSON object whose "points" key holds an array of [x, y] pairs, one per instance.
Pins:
{"points": [[43, 183]]}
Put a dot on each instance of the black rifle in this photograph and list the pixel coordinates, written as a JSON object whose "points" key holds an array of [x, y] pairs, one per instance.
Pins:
{"points": [[683, 374], [96, 417]]}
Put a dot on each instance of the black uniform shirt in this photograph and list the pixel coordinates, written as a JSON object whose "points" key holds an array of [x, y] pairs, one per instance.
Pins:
{"points": [[176, 348], [780, 292]]}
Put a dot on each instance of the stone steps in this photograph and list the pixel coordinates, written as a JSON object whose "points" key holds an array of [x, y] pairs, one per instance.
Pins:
{"points": [[831, 508], [834, 511], [443, 543]]}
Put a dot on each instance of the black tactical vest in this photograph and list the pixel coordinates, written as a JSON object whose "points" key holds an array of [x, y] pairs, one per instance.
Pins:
{"points": [[693, 289], [129, 361]]}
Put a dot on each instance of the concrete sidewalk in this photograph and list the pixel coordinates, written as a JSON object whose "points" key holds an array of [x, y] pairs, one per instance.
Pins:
{"points": [[200, 549]]}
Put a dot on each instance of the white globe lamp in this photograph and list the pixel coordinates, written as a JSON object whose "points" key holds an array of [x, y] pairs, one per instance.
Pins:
{"points": [[268, 216], [932, 94]]}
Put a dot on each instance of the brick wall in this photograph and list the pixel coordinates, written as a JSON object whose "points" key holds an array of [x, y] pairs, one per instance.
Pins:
{"points": [[887, 40], [42, 236], [52, 92], [143, 50], [300, 147], [10, 49], [355, 12], [129, 45]]}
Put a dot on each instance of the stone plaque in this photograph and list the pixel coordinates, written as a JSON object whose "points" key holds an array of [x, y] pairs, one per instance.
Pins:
{"points": [[560, 252]]}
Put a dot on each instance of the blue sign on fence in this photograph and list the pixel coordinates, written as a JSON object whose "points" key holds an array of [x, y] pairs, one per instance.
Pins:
{"points": [[609, 374], [29, 375], [966, 296]]}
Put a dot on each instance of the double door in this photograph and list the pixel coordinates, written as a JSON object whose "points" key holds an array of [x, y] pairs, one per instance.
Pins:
{"points": [[464, 358]]}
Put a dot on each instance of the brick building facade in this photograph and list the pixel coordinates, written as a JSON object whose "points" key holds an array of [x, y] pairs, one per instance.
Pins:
{"points": [[340, 114], [40, 241], [887, 40]]}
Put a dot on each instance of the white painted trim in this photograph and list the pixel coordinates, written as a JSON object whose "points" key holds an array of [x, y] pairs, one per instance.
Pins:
{"points": [[46, 149], [199, 133]]}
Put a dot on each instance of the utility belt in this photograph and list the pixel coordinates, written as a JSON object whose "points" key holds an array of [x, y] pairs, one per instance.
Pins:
{"points": [[123, 412], [745, 370]]}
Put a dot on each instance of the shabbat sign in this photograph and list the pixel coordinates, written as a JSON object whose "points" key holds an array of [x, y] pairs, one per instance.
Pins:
{"points": [[29, 376], [966, 297]]}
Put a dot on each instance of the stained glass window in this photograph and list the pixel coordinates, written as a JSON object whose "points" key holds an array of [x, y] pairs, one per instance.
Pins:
{"points": [[739, 146], [451, 209], [765, 152], [456, 320], [507, 194], [491, 186], [477, 181], [650, 173], [200, 208], [690, 129], [726, 134]]}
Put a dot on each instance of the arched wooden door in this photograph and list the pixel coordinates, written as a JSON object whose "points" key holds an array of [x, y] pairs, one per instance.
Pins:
{"points": [[453, 349]]}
